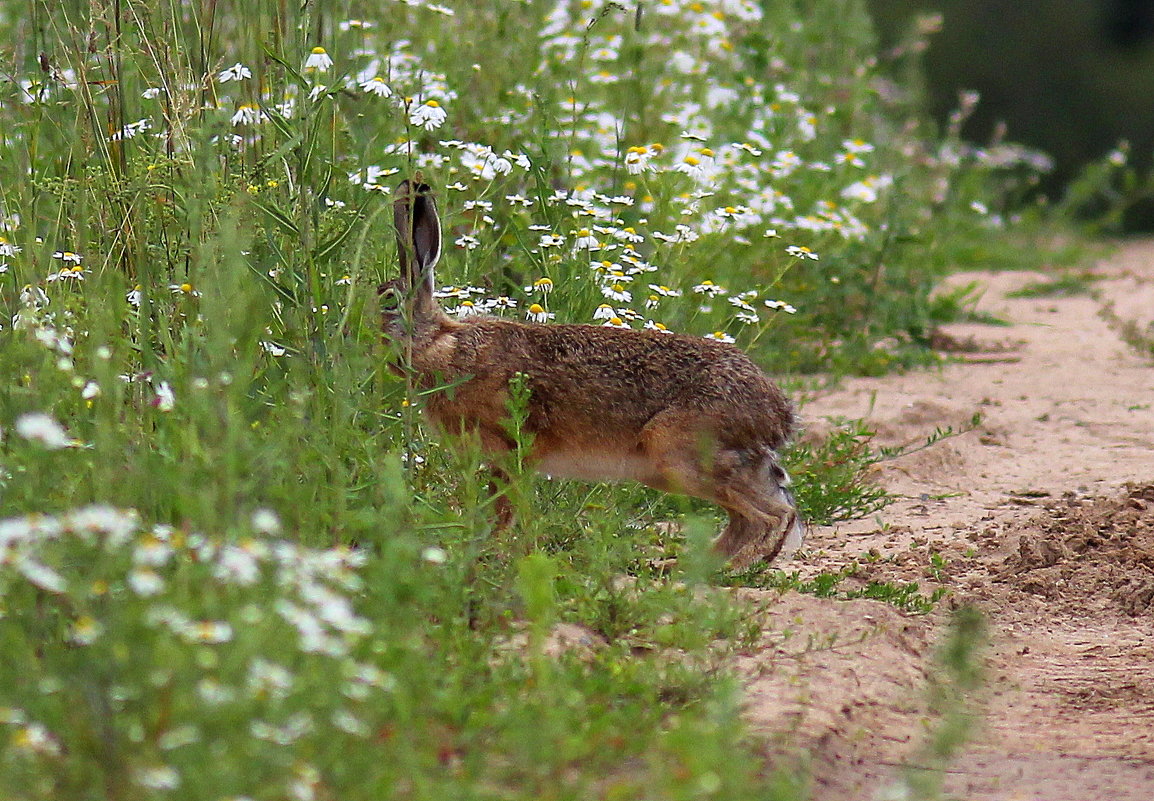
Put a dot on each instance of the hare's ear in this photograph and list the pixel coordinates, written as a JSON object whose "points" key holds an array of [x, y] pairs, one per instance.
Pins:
{"points": [[418, 232]]}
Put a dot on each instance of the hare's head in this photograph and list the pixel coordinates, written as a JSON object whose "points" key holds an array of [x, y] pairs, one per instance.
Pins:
{"points": [[407, 301]]}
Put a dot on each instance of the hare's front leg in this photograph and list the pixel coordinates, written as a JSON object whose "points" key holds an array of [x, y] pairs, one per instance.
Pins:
{"points": [[496, 446], [762, 518], [745, 482]]}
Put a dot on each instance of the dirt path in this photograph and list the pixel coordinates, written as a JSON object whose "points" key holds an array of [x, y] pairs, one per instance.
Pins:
{"points": [[1043, 517]]}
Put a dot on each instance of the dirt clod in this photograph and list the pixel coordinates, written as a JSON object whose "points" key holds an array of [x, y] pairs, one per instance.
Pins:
{"points": [[1079, 555]]}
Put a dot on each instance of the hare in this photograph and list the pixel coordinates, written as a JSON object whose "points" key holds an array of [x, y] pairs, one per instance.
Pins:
{"points": [[678, 413]]}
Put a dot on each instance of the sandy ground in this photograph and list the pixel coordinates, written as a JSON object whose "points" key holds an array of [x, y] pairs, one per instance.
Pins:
{"points": [[1042, 517]]}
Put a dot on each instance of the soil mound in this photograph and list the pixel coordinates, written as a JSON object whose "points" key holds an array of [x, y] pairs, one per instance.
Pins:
{"points": [[1089, 554]]}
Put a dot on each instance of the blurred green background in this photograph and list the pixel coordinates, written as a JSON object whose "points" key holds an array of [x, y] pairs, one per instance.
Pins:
{"points": [[1070, 77]]}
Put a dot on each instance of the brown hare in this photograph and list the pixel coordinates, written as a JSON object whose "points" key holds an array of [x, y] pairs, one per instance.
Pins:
{"points": [[679, 413]]}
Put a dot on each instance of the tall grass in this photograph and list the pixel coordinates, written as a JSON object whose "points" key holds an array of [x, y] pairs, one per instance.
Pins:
{"points": [[231, 564]]}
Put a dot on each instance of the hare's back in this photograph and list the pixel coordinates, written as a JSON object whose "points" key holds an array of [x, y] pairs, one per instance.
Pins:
{"points": [[615, 381]]}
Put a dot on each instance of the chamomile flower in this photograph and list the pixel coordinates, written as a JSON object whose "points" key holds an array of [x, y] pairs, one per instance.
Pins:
{"points": [[740, 303], [237, 72], [801, 252], [248, 114], [430, 116], [784, 163], [318, 60], [651, 325], [7, 248], [616, 292], [466, 309], [67, 256], [780, 305], [637, 160], [544, 285], [857, 146], [604, 312], [467, 242], [42, 429], [721, 336], [68, 273], [690, 165], [376, 86], [537, 314], [615, 322], [86, 630], [550, 241], [184, 289], [709, 289], [585, 240], [501, 303]]}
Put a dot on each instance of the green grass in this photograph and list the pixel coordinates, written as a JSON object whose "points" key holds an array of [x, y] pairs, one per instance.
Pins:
{"points": [[1064, 286], [233, 563]]}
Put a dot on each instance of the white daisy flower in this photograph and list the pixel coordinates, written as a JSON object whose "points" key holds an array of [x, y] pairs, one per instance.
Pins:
{"points": [[376, 86], [318, 60], [801, 252], [537, 314], [41, 428], [709, 288], [248, 114], [618, 293], [430, 116], [237, 72]]}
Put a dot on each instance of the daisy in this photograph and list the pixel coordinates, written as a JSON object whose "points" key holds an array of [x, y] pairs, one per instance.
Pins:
{"points": [[709, 288], [237, 72], [721, 336], [537, 314], [248, 114], [376, 86], [318, 60], [801, 252], [617, 293], [780, 305], [586, 241], [430, 116], [67, 256]]}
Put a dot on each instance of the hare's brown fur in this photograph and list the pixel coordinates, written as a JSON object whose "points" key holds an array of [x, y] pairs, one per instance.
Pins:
{"points": [[678, 413]]}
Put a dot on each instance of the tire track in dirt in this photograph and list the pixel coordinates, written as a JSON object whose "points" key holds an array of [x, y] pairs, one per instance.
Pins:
{"points": [[1044, 517]]}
